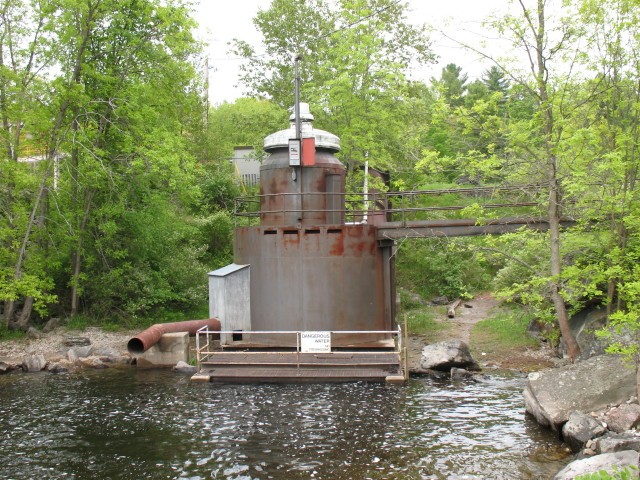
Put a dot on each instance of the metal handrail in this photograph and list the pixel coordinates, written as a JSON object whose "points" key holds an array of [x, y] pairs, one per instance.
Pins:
{"points": [[249, 206], [202, 354]]}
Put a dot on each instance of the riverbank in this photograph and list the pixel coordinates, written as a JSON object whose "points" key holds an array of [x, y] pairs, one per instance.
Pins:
{"points": [[64, 349], [489, 349], [110, 347]]}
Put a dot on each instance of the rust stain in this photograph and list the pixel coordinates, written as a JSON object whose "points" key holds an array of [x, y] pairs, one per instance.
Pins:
{"points": [[337, 248], [290, 240]]}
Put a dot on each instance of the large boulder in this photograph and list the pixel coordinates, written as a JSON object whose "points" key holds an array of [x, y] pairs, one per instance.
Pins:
{"points": [[51, 325], [551, 395], [184, 367], [584, 325], [579, 429], [59, 366], [34, 334], [460, 374], [623, 418], [75, 353], [91, 362], [617, 442], [610, 462], [34, 363], [444, 356]]}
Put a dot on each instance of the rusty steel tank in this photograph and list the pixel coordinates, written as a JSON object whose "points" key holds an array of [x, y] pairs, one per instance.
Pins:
{"points": [[312, 194], [311, 271]]}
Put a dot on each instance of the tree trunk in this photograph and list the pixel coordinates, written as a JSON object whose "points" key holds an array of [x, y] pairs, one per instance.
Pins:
{"points": [[77, 256], [451, 311], [22, 322], [539, 68], [9, 308], [573, 349]]}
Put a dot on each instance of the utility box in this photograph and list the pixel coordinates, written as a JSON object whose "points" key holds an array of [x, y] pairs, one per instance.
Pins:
{"points": [[230, 299]]}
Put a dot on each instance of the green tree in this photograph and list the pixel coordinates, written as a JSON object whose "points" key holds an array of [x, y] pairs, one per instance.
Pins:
{"points": [[355, 57], [245, 122], [121, 102], [495, 80], [453, 84]]}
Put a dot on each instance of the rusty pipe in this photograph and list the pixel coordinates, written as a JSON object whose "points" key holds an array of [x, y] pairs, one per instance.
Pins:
{"points": [[149, 337]]}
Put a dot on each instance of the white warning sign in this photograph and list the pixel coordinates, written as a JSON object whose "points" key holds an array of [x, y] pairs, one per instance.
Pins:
{"points": [[315, 342], [294, 152]]}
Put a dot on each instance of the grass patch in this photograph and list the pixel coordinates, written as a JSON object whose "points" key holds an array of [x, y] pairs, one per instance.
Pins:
{"points": [[422, 322], [82, 322], [6, 334], [503, 334]]}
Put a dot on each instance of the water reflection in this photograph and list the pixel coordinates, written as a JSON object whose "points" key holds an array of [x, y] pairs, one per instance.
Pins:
{"points": [[114, 424]]}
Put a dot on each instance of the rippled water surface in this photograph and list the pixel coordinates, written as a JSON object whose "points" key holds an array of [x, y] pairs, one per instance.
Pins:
{"points": [[153, 424]]}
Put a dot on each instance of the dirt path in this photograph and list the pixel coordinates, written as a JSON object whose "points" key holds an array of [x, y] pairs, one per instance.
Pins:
{"points": [[469, 313]]}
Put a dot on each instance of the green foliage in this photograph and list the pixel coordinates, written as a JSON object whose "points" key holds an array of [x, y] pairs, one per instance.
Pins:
{"points": [[495, 79], [244, 122], [452, 83], [154, 262], [354, 79], [116, 113], [441, 267], [625, 473], [409, 300], [218, 189], [6, 334], [82, 322]]}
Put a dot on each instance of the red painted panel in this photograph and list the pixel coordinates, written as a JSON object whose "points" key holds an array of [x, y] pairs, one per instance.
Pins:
{"points": [[308, 152]]}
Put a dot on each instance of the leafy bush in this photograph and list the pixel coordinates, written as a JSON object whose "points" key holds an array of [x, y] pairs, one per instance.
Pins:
{"points": [[434, 267], [626, 473]]}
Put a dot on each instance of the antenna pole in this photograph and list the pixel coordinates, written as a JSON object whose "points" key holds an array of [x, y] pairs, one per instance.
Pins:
{"points": [[297, 59], [297, 99]]}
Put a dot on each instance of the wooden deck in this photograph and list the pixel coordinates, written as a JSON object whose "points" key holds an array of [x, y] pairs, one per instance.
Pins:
{"points": [[292, 367]]}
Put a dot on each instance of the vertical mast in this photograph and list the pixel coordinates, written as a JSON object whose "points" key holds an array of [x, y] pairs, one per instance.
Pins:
{"points": [[297, 59]]}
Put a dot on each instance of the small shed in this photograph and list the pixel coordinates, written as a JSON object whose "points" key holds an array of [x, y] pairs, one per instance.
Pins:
{"points": [[230, 299]]}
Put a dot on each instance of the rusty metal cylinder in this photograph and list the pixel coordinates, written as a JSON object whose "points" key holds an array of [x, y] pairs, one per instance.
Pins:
{"points": [[321, 201], [310, 193], [149, 337], [311, 271]]}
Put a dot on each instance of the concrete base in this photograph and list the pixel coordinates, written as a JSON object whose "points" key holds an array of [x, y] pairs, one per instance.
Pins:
{"points": [[395, 379], [172, 348]]}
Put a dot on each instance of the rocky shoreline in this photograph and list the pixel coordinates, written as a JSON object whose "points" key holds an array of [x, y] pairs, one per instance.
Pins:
{"points": [[592, 404], [60, 351]]}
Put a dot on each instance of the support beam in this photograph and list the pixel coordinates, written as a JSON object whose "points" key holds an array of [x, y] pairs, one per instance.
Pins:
{"points": [[461, 227]]}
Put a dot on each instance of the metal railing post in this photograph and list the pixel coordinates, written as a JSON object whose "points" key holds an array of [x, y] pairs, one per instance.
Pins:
{"points": [[198, 349], [406, 349]]}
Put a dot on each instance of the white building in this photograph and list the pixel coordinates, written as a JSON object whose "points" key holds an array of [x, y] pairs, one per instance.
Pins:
{"points": [[246, 165]]}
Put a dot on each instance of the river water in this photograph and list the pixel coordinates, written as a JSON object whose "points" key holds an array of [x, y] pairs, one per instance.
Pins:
{"points": [[134, 424]]}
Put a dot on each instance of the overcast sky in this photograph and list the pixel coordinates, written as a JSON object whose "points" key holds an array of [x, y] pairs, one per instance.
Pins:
{"points": [[221, 22]]}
